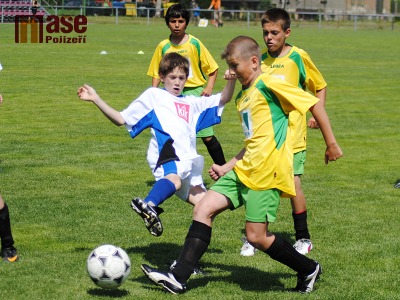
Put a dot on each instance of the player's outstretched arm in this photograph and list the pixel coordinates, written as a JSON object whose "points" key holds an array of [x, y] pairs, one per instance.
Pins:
{"points": [[333, 151], [1, 98], [229, 88], [87, 93]]}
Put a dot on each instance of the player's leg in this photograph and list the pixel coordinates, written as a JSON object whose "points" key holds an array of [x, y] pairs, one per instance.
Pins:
{"points": [[193, 189], [196, 244], [213, 146], [8, 251], [259, 211], [308, 271], [220, 22], [199, 235], [196, 194], [299, 209], [148, 209]]}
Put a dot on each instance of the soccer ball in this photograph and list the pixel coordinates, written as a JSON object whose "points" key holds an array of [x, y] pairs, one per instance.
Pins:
{"points": [[108, 266]]}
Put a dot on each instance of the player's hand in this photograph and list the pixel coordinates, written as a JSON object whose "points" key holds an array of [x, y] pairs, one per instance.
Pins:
{"points": [[1, 98], [207, 92], [216, 171], [332, 153], [229, 76], [87, 93], [312, 123]]}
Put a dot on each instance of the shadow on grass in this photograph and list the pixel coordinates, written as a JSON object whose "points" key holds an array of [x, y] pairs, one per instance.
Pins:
{"points": [[116, 293], [161, 254], [248, 278]]}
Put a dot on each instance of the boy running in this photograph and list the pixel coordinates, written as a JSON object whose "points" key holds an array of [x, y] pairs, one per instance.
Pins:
{"points": [[295, 66]]}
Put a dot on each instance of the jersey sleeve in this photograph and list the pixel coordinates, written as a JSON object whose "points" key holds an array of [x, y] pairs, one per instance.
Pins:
{"points": [[208, 110], [139, 114], [292, 97], [314, 79], [155, 62], [208, 63]]}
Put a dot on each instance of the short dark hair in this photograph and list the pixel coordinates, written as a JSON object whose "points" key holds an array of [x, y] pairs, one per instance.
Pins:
{"points": [[172, 60], [177, 11], [275, 15]]}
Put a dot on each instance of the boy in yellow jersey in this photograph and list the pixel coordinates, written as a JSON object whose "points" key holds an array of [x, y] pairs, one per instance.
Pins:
{"points": [[258, 175], [295, 66], [202, 64], [8, 251]]}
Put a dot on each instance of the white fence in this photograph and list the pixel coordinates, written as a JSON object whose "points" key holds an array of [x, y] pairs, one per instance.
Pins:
{"points": [[246, 18]]}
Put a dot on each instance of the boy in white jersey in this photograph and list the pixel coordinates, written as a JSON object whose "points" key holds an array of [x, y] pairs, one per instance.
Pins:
{"points": [[174, 120], [202, 64], [294, 65], [8, 251], [259, 175]]}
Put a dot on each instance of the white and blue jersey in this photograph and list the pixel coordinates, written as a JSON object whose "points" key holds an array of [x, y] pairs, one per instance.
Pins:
{"points": [[174, 122]]}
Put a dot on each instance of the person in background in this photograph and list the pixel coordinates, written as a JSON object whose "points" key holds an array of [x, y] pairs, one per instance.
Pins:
{"points": [[202, 64], [295, 66], [34, 8], [195, 13], [216, 5], [8, 251]]}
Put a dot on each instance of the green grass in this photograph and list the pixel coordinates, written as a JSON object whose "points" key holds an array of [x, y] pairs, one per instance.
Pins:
{"points": [[68, 174]]}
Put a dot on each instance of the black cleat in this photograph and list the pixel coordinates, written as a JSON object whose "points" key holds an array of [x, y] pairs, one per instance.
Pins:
{"points": [[9, 254], [149, 216]]}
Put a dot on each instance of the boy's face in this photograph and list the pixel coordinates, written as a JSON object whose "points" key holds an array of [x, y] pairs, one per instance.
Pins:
{"points": [[174, 82], [177, 26], [246, 69], [275, 37]]}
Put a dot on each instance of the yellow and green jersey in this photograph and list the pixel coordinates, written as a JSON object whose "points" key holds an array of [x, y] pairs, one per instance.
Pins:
{"points": [[297, 68], [201, 61], [263, 109]]}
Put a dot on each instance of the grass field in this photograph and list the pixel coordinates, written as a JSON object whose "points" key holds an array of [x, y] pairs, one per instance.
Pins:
{"points": [[68, 174]]}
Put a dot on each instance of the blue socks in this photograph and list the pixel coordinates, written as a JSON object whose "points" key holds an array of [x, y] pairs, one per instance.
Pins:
{"points": [[161, 191]]}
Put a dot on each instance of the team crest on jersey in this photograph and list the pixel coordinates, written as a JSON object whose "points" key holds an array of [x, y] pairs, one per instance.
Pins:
{"points": [[183, 111]]}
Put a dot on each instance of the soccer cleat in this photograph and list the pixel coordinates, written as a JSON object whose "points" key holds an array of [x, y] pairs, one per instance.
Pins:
{"points": [[149, 216], [303, 246], [305, 283], [164, 279], [247, 249], [196, 271], [9, 254]]}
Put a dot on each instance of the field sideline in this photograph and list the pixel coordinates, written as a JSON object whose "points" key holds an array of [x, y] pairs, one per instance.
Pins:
{"points": [[68, 174]]}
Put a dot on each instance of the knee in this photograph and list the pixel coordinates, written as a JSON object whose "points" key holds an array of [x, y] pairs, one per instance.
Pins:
{"points": [[254, 239], [206, 139]]}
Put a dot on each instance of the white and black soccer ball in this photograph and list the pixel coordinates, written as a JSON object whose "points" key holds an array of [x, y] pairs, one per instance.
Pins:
{"points": [[108, 266]]}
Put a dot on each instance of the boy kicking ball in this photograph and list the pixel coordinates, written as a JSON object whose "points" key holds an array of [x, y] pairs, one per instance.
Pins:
{"points": [[174, 119], [258, 175]]}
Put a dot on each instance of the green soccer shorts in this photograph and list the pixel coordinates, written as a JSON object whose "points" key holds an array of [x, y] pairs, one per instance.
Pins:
{"points": [[261, 206]]}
